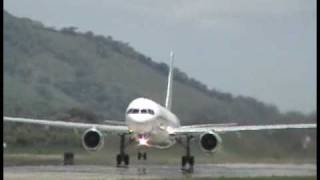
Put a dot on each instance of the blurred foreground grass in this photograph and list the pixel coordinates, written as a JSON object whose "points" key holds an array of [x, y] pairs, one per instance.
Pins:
{"points": [[106, 156]]}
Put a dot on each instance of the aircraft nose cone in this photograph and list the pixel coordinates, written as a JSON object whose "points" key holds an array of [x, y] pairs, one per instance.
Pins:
{"points": [[139, 123], [140, 118]]}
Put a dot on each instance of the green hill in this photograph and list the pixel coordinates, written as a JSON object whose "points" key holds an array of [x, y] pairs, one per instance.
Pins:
{"points": [[68, 75], [47, 71]]}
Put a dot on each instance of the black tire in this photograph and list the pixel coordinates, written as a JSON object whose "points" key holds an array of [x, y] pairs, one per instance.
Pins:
{"points": [[126, 159], [119, 159], [183, 161], [144, 156], [139, 155], [191, 161]]}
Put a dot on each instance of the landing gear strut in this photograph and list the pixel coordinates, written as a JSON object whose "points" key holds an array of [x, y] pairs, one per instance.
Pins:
{"points": [[122, 156], [187, 159]]}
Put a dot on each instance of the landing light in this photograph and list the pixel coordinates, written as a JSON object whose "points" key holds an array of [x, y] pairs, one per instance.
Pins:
{"points": [[170, 130], [143, 141]]}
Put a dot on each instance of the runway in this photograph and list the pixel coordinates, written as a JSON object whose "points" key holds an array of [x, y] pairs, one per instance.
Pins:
{"points": [[143, 171]]}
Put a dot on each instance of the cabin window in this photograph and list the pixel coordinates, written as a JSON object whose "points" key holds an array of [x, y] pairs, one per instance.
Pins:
{"points": [[143, 111]]}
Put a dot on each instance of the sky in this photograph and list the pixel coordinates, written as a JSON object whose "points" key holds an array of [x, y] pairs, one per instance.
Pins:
{"points": [[265, 49]]}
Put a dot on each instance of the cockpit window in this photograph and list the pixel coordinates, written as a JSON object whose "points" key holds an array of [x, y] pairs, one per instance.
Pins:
{"points": [[142, 111], [135, 111], [150, 111]]}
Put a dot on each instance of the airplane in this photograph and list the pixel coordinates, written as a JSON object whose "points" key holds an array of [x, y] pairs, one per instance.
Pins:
{"points": [[151, 125]]}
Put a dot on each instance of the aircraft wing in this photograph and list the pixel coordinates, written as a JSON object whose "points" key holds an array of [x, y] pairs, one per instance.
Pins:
{"points": [[208, 125], [64, 124], [222, 129], [113, 122]]}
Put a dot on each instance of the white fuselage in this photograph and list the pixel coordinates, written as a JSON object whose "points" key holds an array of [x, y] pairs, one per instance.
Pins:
{"points": [[151, 123]]}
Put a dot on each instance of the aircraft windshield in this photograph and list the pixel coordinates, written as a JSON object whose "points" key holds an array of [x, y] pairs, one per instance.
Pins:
{"points": [[150, 111], [141, 111]]}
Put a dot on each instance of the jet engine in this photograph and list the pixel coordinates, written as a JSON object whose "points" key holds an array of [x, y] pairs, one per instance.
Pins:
{"points": [[92, 140], [209, 141]]}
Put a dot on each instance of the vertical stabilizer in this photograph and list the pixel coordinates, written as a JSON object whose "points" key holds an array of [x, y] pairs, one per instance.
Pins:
{"points": [[169, 88]]}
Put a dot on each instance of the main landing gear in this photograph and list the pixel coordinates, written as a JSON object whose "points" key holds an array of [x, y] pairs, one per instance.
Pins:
{"points": [[187, 159], [122, 157]]}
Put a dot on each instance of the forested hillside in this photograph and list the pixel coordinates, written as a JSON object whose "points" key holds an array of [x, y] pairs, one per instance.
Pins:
{"points": [[67, 75], [51, 73]]}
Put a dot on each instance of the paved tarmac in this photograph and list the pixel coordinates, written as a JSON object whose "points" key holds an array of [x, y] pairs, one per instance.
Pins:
{"points": [[147, 171]]}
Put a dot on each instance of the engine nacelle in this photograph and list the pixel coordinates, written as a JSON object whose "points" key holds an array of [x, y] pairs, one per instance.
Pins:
{"points": [[92, 140], [209, 141]]}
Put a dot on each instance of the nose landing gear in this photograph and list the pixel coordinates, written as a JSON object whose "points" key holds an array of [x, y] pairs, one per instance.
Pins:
{"points": [[142, 155]]}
